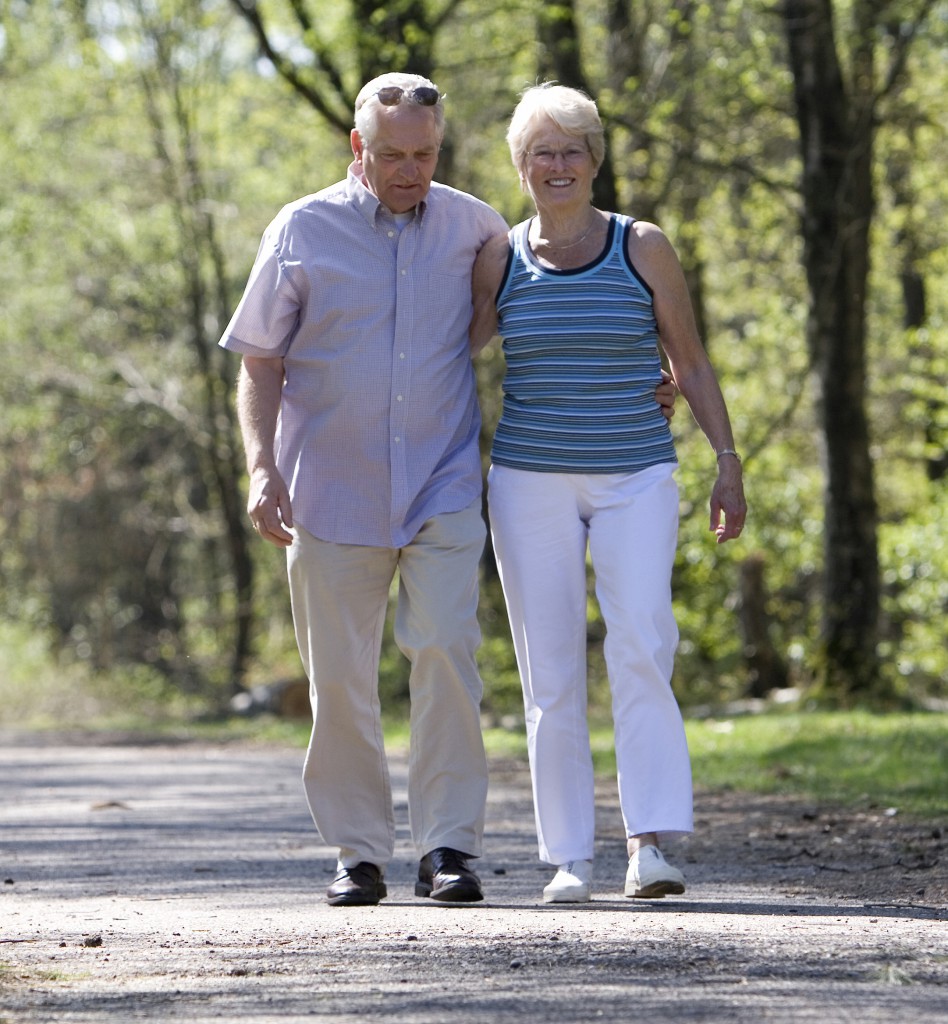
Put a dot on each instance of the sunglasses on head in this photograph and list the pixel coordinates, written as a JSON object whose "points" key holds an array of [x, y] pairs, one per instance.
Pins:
{"points": [[392, 95]]}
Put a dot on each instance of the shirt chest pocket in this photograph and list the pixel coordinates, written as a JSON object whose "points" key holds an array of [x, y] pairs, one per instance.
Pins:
{"points": [[444, 302]]}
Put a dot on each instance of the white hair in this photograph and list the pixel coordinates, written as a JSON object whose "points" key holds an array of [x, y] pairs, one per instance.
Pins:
{"points": [[367, 105], [569, 109]]}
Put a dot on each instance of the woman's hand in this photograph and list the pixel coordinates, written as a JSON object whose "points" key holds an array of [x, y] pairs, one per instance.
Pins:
{"points": [[728, 507]]}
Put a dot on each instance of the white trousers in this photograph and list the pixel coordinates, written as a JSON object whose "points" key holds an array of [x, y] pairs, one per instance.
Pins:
{"points": [[541, 524], [339, 596]]}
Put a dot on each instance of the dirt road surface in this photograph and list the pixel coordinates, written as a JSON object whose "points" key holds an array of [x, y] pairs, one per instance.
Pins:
{"points": [[185, 882]]}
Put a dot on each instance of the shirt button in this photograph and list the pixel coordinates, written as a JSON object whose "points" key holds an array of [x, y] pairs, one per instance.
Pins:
{"points": [[398, 440], [391, 234], [404, 272], [399, 398], [401, 355]]}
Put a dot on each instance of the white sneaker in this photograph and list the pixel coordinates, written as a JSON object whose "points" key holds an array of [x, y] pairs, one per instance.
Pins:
{"points": [[650, 876], [570, 883]]}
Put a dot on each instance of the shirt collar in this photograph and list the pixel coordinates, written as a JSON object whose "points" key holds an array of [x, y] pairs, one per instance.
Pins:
{"points": [[367, 203]]}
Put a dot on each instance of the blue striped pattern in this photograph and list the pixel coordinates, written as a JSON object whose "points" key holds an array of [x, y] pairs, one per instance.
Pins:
{"points": [[582, 364]]}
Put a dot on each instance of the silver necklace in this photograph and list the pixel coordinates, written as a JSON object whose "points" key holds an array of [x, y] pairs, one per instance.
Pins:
{"points": [[568, 245]]}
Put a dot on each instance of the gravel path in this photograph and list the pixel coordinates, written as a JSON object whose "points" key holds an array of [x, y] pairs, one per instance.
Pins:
{"points": [[185, 882]]}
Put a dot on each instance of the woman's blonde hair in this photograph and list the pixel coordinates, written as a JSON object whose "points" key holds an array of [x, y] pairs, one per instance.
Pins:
{"points": [[569, 109]]}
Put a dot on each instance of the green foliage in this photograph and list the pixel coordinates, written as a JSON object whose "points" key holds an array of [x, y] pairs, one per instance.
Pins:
{"points": [[503, 700], [40, 691]]}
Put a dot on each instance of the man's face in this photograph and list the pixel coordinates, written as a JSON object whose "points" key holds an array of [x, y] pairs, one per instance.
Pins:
{"points": [[400, 161]]}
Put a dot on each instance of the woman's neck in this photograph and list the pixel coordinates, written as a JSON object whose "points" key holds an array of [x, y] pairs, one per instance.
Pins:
{"points": [[568, 243], [554, 233]]}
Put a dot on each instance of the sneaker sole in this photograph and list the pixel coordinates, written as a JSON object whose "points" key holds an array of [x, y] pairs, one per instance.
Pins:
{"points": [[655, 891], [575, 896]]}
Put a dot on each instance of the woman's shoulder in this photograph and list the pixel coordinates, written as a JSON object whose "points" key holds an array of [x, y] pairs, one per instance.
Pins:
{"points": [[648, 244], [491, 260], [652, 255], [645, 231]]}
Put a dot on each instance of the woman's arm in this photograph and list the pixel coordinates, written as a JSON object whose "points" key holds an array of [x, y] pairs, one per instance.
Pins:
{"points": [[655, 259], [488, 272]]}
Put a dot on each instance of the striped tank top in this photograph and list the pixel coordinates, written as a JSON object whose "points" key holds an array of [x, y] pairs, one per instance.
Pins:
{"points": [[581, 348]]}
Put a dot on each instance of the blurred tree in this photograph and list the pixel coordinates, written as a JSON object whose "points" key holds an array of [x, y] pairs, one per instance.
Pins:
{"points": [[172, 104], [394, 35], [838, 115]]}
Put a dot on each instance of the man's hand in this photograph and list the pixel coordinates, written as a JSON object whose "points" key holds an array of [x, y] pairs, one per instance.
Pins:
{"points": [[259, 389], [665, 395], [269, 507]]}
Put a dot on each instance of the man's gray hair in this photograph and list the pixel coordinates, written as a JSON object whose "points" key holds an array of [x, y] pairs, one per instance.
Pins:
{"points": [[367, 105]]}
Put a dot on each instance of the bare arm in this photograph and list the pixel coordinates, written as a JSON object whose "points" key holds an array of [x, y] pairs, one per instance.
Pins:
{"points": [[259, 390], [488, 271], [653, 255]]}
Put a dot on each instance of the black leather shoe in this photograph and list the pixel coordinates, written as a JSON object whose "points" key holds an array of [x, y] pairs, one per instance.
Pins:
{"points": [[361, 886], [444, 875]]}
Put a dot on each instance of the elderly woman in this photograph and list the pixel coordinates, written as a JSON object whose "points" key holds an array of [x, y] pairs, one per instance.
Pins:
{"points": [[583, 457]]}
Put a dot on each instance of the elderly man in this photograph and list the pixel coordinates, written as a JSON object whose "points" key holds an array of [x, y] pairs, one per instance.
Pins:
{"points": [[359, 413]]}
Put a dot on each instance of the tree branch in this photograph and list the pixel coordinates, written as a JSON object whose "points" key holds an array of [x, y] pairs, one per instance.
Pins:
{"points": [[291, 73]]}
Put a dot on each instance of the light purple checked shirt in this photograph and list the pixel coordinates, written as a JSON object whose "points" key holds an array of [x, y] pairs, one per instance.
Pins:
{"points": [[379, 422]]}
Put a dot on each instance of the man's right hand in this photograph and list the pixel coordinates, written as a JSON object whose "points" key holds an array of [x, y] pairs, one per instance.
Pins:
{"points": [[259, 390], [269, 507]]}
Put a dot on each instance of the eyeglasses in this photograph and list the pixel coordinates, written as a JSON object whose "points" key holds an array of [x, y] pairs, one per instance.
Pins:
{"points": [[423, 95], [570, 155]]}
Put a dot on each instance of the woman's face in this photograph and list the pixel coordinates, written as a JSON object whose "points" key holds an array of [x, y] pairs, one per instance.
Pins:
{"points": [[557, 168]]}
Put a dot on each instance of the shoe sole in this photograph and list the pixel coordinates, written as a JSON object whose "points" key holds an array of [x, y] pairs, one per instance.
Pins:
{"points": [[351, 899], [354, 901], [655, 891], [450, 893], [566, 897]]}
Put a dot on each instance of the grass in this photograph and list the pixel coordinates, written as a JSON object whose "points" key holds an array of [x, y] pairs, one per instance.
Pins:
{"points": [[850, 758]]}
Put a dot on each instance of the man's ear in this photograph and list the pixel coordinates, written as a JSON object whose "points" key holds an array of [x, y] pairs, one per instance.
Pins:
{"points": [[355, 140]]}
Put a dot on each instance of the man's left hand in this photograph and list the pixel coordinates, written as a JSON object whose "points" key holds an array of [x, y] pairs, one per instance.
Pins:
{"points": [[665, 395]]}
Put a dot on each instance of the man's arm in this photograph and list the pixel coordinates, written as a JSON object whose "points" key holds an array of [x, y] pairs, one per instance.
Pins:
{"points": [[259, 392]]}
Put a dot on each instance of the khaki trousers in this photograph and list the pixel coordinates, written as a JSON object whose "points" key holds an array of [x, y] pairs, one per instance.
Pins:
{"points": [[339, 595]]}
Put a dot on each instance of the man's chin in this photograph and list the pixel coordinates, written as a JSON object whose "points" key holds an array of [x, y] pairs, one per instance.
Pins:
{"points": [[405, 201]]}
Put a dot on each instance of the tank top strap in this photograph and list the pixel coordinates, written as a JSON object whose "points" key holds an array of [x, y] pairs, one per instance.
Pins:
{"points": [[621, 234], [518, 237]]}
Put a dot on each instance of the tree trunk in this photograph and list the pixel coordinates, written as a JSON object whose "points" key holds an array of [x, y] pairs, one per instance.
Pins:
{"points": [[836, 135], [688, 119], [393, 35], [766, 670]]}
